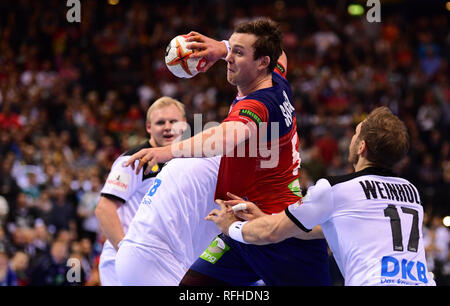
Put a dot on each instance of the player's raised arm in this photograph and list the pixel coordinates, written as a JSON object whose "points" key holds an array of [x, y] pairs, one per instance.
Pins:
{"points": [[281, 66], [206, 47], [283, 59]]}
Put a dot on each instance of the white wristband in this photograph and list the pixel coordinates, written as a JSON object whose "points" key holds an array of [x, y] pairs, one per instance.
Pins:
{"points": [[227, 44], [235, 231]]}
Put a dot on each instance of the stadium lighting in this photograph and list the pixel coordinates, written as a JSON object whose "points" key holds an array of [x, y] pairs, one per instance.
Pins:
{"points": [[355, 9], [113, 2], [446, 221]]}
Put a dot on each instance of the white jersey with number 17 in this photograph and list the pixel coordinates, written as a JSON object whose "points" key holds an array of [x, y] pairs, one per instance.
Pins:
{"points": [[372, 221]]}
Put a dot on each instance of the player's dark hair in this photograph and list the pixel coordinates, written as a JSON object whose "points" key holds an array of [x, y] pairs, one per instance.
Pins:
{"points": [[269, 40], [386, 137]]}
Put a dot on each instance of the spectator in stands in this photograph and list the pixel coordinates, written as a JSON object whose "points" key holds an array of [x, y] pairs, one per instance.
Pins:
{"points": [[86, 209], [19, 265], [7, 275], [52, 268]]}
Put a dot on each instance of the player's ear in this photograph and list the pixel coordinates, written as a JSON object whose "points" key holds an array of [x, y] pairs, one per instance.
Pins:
{"points": [[362, 147], [148, 126], [264, 62]]}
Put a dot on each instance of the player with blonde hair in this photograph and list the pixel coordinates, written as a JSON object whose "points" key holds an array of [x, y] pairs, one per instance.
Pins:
{"points": [[124, 189]]}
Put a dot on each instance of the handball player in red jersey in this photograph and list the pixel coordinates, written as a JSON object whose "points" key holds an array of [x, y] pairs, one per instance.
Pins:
{"points": [[259, 143]]}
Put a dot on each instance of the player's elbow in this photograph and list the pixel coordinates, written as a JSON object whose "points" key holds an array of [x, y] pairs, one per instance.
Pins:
{"points": [[106, 208], [102, 208], [99, 210]]}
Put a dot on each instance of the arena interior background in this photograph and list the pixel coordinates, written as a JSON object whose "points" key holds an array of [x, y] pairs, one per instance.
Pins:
{"points": [[73, 97]]}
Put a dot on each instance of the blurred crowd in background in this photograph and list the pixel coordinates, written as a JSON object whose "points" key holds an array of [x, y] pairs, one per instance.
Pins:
{"points": [[73, 97]]}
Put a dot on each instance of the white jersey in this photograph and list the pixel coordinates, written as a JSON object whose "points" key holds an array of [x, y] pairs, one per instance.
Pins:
{"points": [[171, 217], [372, 221], [124, 185]]}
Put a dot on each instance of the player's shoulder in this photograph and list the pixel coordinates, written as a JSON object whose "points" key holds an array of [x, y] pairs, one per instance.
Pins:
{"points": [[136, 149], [192, 165], [124, 156], [279, 75], [339, 179], [281, 82], [322, 186], [279, 92], [118, 163]]}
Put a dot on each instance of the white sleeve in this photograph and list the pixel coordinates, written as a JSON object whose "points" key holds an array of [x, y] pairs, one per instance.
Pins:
{"points": [[316, 207], [121, 181]]}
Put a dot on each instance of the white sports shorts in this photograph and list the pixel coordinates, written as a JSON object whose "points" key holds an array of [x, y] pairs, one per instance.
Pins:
{"points": [[107, 266], [138, 265]]}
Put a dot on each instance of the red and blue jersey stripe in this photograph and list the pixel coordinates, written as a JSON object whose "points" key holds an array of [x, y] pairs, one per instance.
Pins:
{"points": [[275, 187]]}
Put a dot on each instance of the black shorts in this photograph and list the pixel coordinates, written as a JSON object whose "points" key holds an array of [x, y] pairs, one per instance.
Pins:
{"points": [[292, 262]]}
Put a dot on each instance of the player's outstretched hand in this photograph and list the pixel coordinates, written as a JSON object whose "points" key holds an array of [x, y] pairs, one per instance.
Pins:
{"points": [[211, 49], [242, 209], [222, 217], [151, 157]]}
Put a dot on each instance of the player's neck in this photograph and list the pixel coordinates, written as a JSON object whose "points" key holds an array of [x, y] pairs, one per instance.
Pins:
{"points": [[259, 83], [362, 164], [152, 143]]}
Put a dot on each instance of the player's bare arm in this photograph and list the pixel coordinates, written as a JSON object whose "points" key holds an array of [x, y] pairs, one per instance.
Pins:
{"points": [[283, 60], [106, 212], [262, 229], [227, 135]]}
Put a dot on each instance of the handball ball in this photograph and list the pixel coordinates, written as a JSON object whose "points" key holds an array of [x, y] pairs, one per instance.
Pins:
{"points": [[179, 61]]}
